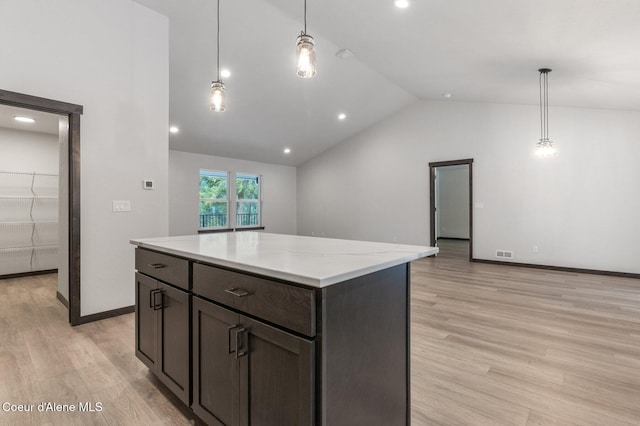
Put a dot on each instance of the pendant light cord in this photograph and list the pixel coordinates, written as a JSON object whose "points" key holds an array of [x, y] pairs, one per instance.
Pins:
{"points": [[218, 41], [541, 108], [305, 16], [544, 104]]}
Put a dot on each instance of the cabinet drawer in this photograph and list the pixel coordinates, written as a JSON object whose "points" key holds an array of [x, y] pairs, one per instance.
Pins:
{"points": [[285, 305], [166, 268]]}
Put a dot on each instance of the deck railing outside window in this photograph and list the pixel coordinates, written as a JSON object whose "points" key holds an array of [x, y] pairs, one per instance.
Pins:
{"points": [[220, 220]]}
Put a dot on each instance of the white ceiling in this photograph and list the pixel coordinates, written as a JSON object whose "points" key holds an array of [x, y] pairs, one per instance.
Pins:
{"points": [[45, 122], [480, 51]]}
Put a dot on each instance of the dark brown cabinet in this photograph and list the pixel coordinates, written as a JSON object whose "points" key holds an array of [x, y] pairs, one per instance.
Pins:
{"points": [[146, 321], [287, 306], [243, 349], [246, 372], [162, 333], [173, 341]]}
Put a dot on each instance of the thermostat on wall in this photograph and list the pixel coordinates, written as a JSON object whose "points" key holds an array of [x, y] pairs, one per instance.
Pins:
{"points": [[147, 184]]}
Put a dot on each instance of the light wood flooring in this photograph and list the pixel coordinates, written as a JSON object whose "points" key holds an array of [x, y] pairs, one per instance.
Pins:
{"points": [[453, 249], [491, 345], [43, 359], [501, 345]]}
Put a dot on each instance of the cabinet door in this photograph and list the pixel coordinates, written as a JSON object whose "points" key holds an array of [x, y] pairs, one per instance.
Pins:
{"points": [[146, 321], [215, 367], [173, 341], [276, 377]]}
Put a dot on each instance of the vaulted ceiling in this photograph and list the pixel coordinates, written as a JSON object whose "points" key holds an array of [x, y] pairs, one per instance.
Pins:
{"points": [[478, 51]]}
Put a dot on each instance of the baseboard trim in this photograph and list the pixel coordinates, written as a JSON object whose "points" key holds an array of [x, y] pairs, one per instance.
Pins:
{"points": [[62, 299], [453, 238], [107, 314], [28, 274], [561, 268]]}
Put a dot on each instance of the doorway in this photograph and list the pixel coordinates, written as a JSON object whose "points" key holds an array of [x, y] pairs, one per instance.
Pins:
{"points": [[70, 178], [451, 213]]}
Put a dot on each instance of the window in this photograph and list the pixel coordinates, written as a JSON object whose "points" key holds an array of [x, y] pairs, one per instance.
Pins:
{"points": [[216, 210], [214, 199], [248, 200]]}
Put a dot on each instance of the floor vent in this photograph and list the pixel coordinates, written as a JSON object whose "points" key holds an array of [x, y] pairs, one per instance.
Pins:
{"points": [[504, 254]]}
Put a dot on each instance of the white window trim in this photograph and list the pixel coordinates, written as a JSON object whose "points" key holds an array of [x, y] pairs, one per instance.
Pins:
{"points": [[258, 202], [217, 200]]}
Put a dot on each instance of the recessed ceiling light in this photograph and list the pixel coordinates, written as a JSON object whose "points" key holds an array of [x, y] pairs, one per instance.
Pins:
{"points": [[342, 116], [402, 4], [23, 119], [287, 151], [447, 95], [225, 73], [174, 129]]}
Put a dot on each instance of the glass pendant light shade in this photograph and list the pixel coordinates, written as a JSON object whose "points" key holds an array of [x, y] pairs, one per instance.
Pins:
{"points": [[217, 100], [305, 51], [545, 148], [306, 54]]}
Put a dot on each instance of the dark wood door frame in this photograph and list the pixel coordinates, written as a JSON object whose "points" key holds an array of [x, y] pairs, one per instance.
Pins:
{"points": [[73, 113], [432, 197]]}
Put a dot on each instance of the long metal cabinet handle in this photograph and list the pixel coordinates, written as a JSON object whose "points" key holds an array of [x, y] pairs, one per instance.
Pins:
{"points": [[157, 306], [238, 292], [239, 343], [151, 292], [152, 298], [229, 329]]}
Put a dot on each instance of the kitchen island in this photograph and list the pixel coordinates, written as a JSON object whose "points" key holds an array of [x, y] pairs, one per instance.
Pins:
{"points": [[269, 329]]}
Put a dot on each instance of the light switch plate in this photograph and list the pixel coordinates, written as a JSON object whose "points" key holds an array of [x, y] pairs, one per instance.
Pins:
{"points": [[121, 205]]}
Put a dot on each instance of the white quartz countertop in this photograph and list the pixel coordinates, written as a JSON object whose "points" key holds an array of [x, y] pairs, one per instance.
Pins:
{"points": [[317, 262]]}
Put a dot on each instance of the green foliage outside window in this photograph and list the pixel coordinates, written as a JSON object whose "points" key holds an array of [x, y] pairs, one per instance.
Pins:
{"points": [[247, 187], [248, 192], [213, 199]]}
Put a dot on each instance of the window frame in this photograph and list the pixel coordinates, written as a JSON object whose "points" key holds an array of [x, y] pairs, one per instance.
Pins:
{"points": [[225, 200], [257, 202], [232, 203]]}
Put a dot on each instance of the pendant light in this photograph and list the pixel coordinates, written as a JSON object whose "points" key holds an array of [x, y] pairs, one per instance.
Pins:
{"points": [[217, 98], [305, 51], [544, 147]]}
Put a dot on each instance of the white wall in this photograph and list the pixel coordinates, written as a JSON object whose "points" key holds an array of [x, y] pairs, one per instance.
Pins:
{"points": [[453, 201], [111, 56], [278, 191], [580, 208], [28, 152], [24, 151]]}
